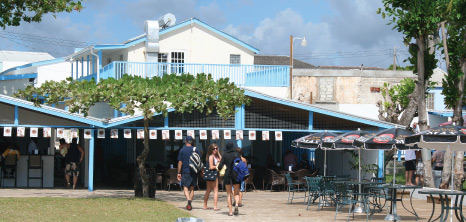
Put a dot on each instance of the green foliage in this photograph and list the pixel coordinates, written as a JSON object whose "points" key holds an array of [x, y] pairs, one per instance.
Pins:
{"points": [[413, 18], [399, 68], [183, 93], [398, 94], [12, 12], [456, 41], [367, 168], [430, 62]]}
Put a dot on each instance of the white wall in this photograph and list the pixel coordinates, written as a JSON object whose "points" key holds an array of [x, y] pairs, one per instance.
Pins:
{"points": [[203, 46], [8, 87], [363, 110], [56, 72], [281, 92]]}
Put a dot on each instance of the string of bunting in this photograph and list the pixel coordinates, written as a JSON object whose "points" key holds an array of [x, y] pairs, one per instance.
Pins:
{"points": [[127, 133]]}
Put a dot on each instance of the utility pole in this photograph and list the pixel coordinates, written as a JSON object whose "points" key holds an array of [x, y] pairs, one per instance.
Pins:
{"points": [[394, 58]]}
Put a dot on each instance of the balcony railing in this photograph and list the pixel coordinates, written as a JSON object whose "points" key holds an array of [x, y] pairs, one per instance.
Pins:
{"points": [[243, 75]]}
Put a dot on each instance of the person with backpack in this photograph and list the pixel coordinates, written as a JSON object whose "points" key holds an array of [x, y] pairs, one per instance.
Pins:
{"points": [[189, 165], [242, 187], [232, 177], [213, 157]]}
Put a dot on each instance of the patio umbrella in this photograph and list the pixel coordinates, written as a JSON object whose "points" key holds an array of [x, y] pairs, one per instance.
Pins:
{"points": [[387, 139], [314, 141], [345, 142], [441, 138]]}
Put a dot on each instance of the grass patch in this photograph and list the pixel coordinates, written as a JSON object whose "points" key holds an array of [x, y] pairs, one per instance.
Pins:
{"points": [[400, 178], [88, 209]]}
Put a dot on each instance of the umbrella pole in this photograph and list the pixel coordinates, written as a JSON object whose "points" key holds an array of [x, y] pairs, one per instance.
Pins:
{"points": [[394, 170], [325, 162], [451, 199]]}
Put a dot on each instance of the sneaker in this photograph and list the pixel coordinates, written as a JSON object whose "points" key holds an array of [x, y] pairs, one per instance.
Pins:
{"points": [[189, 207], [236, 211]]}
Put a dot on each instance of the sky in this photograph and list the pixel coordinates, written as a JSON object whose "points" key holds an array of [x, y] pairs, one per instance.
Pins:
{"points": [[338, 32]]}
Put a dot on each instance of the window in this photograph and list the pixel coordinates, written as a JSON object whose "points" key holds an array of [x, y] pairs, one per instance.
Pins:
{"points": [[235, 59], [430, 101], [177, 57], [163, 58]]}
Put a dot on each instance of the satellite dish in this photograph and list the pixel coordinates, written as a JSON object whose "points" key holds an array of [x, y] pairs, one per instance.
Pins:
{"points": [[167, 20]]}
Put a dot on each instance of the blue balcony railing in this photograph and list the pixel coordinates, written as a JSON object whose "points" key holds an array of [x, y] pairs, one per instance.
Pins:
{"points": [[243, 75]]}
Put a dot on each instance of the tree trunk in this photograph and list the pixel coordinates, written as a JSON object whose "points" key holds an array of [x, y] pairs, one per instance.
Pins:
{"points": [[141, 159], [446, 173], [408, 115], [422, 112], [459, 170]]}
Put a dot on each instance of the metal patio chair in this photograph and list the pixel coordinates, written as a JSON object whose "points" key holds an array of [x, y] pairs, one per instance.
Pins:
{"points": [[294, 186]]}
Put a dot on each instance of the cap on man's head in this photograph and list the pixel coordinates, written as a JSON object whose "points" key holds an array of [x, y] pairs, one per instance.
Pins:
{"points": [[230, 145], [189, 139]]}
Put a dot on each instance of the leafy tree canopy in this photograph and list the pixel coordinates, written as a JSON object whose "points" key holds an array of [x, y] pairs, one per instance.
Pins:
{"points": [[12, 12], [406, 68], [149, 95]]}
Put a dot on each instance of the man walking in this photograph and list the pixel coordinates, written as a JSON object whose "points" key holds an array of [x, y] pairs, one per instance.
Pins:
{"points": [[187, 177]]}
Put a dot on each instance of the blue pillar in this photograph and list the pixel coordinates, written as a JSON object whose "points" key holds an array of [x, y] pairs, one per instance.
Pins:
{"points": [[87, 65], [381, 164], [123, 106], [72, 70], [115, 113], [399, 156], [311, 120], [16, 116], [82, 67], [165, 122], [93, 65], [90, 185], [239, 122]]}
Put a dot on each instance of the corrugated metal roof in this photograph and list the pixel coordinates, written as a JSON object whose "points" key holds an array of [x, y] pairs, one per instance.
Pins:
{"points": [[16, 56]]}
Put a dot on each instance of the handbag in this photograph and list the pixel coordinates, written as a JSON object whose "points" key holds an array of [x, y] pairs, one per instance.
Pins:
{"points": [[209, 175], [221, 172]]}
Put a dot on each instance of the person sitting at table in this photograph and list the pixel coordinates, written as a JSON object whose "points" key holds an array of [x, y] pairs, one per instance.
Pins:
{"points": [[270, 162], [304, 163], [290, 160], [11, 150]]}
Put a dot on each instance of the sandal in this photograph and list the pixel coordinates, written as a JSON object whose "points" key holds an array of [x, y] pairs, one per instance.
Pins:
{"points": [[216, 209], [230, 214], [240, 205]]}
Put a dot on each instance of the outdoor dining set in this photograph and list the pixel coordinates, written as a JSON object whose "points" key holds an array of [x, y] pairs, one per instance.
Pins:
{"points": [[368, 196], [372, 196]]}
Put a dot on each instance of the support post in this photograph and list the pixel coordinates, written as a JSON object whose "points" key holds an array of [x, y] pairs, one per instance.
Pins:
{"points": [[90, 185]]}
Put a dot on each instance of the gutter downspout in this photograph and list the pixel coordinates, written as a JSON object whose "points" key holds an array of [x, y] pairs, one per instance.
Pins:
{"points": [[98, 67]]}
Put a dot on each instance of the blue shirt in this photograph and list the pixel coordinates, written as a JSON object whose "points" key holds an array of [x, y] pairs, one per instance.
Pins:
{"points": [[184, 155]]}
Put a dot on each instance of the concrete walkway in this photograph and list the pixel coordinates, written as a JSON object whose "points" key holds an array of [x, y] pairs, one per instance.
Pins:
{"points": [[258, 206]]}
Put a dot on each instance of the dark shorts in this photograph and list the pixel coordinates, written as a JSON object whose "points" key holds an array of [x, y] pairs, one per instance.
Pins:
{"points": [[230, 182], [438, 168], [188, 180], [410, 165]]}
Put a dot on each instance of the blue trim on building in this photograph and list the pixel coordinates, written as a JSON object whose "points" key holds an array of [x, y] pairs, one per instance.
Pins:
{"points": [[19, 76], [120, 46], [46, 62], [197, 21], [311, 120], [313, 109], [90, 185], [52, 112], [381, 162], [16, 116]]}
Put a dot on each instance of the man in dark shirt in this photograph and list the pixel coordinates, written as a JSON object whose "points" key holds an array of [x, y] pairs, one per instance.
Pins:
{"points": [[185, 175]]}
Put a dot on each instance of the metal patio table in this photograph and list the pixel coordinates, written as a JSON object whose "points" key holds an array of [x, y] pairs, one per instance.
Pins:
{"points": [[392, 190], [445, 203]]}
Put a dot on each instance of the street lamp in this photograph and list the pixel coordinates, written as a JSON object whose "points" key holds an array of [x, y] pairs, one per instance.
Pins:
{"points": [[304, 44]]}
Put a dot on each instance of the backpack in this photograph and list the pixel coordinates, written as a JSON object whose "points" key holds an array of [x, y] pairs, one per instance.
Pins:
{"points": [[195, 163], [241, 170]]}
